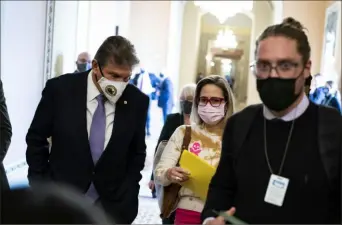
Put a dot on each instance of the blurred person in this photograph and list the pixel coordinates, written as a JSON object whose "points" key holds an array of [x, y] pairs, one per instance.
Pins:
{"points": [[317, 93], [165, 100], [143, 81], [97, 123], [155, 81], [49, 204], [281, 160], [83, 62], [5, 137], [199, 77], [213, 105], [332, 96], [173, 121]]}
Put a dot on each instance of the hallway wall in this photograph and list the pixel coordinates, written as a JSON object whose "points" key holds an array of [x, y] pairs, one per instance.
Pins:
{"points": [[83, 26], [313, 20], [149, 31], [22, 58]]}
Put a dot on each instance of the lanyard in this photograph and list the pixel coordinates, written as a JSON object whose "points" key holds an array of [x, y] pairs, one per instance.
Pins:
{"points": [[285, 152]]}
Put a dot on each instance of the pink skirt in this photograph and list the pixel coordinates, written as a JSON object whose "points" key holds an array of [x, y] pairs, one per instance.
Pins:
{"points": [[184, 216]]}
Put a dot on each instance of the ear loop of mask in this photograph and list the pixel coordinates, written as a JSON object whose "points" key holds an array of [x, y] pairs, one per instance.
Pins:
{"points": [[100, 69]]}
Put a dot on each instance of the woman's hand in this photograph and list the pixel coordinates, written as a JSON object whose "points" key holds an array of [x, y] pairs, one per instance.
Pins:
{"points": [[177, 175]]}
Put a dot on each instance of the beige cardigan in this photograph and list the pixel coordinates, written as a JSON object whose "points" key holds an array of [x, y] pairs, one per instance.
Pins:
{"points": [[204, 143]]}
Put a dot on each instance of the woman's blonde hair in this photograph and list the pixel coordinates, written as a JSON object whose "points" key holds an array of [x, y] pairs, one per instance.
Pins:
{"points": [[187, 91], [220, 82]]}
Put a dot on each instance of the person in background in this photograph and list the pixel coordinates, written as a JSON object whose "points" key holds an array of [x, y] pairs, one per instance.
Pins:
{"points": [[281, 160], [332, 96], [5, 138], [165, 100], [155, 81], [213, 105], [199, 77], [143, 82], [173, 121], [49, 204], [97, 124], [83, 62]]}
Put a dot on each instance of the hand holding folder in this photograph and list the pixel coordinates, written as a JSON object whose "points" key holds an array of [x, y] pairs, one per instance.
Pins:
{"points": [[201, 173]]}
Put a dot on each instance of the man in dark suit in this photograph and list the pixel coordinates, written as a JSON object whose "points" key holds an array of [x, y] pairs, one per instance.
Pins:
{"points": [[5, 137], [97, 124], [165, 100]]}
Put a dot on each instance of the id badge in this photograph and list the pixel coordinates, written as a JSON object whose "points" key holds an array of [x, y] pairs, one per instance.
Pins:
{"points": [[276, 190]]}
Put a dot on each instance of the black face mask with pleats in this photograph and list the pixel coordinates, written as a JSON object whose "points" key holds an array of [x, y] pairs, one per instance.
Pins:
{"points": [[277, 94]]}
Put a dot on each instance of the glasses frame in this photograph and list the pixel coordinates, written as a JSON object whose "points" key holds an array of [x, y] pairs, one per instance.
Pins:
{"points": [[209, 100], [294, 65]]}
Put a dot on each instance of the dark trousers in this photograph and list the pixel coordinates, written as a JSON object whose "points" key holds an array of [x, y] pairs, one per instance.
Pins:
{"points": [[166, 111]]}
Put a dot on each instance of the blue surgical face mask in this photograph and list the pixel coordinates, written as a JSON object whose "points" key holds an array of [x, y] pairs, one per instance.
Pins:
{"points": [[82, 67]]}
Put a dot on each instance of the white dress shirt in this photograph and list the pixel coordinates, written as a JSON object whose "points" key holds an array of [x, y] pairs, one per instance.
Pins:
{"points": [[92, 93]]}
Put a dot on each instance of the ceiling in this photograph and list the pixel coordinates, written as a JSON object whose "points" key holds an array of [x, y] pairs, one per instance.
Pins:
{"points": [[239, 20]]}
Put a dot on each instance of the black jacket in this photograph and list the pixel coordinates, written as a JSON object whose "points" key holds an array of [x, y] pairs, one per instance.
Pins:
{"points": [[61, 114], [173, 121], [222, 190], [5, 137]]}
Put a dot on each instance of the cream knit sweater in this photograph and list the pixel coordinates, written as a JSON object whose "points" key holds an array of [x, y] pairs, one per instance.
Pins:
{"points": [[205, 143]]}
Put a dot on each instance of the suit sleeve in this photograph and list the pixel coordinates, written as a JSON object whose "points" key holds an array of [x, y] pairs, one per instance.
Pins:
{"points": [[5, 125], [138, 147], [37, 153], [164, 135], [223, 184]]}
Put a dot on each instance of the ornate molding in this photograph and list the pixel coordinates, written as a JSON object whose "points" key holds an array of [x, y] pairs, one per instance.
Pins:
{"points": [[49, 27]]}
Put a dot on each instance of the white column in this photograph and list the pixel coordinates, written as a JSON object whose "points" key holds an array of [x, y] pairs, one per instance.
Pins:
{"points": [[277, 11], [190, 44], [262, 14], [174, 43], [64, 37]]}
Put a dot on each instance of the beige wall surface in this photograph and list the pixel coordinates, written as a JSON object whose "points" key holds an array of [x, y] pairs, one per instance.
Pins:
{"points": [[148, 31], [311, 14], [313, 20]]}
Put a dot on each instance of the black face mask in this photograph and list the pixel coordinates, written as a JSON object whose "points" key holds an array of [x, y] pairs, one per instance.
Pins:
{"points": [[277, 94], [82, 67], [186, 107]]}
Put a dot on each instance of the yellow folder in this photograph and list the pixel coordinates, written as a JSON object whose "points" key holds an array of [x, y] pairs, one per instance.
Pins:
{"points": [[200, 173]]}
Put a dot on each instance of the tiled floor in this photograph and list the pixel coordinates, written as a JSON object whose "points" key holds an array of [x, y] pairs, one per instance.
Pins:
{"points": [[148, 207]]}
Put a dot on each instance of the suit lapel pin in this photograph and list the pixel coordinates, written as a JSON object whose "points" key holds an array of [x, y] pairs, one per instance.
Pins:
{"points": [[125, 102]]}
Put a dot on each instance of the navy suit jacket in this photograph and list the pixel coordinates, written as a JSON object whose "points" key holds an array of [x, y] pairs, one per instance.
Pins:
{"points": [[61, 115]]}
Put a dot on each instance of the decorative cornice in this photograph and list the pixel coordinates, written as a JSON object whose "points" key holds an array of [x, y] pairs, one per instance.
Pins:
{"points": [[49, 27]]}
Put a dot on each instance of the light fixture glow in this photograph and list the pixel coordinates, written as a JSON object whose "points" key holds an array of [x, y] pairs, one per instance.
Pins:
{"points": [[226, 39], [222, 10]]}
